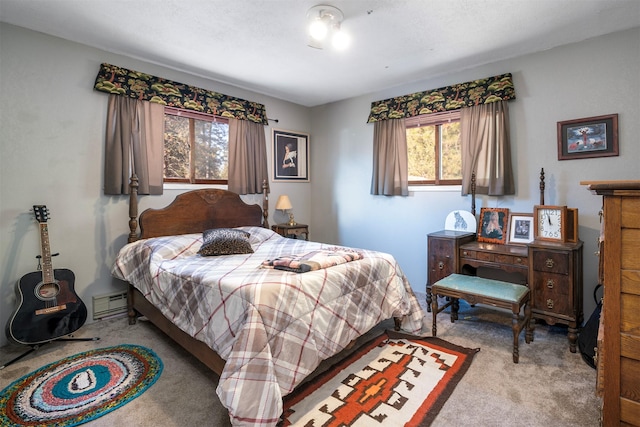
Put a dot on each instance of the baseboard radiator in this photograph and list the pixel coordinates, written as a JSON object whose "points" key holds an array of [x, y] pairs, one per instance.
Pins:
{"points": [[109, 305]]}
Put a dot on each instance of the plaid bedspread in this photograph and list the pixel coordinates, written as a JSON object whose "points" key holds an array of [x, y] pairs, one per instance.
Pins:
{"points": [[272, 327]]}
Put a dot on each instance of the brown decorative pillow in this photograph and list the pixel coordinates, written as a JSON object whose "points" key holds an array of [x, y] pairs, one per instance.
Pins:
{"points": [[225, 241]]}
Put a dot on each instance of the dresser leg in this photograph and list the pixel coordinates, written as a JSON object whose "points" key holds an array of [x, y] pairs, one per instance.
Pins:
{"points": [[455, 306], [530, 324], [516, 327], [573, 338], [435, 310]]}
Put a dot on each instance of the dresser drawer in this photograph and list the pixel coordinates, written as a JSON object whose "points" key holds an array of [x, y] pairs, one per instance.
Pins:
{"points": [[552, 301], [552, 283], [511, 259], [554, 262], [441, 247], [484, 256], [506, 259], [465, 253]]}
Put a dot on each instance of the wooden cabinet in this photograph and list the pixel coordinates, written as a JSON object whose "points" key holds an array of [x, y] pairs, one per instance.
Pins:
{"points": [[619, 339], [555, 277], [442, 249], [292, 231]]}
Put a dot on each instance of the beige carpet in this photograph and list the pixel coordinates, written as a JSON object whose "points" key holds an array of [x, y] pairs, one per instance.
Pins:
{"points": [[549, 387]]}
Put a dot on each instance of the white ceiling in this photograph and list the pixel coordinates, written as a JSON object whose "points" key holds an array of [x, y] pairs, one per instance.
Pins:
{"points": [[261, 45]]}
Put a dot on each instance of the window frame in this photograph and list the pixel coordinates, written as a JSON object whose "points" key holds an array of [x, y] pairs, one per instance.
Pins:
{"points": [[434, 119], [193, 115]]}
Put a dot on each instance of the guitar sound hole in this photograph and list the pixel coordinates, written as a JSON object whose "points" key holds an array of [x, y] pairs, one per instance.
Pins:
{"points": [[47, 291]]}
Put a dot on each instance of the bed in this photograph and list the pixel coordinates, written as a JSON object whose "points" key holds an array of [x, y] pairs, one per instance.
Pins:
{"points": [[263, 319]]}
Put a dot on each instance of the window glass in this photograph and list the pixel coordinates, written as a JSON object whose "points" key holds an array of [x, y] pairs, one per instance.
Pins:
{"points": [[211, 150], [450, 151], [421, 148], [196, 147], [433, 148], [176, 147]]}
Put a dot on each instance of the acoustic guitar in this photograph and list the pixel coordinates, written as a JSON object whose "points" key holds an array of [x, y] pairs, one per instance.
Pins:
{"points": [[49, 307]]}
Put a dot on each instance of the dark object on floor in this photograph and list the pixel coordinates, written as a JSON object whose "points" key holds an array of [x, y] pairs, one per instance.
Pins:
{"points": [[588, 338]]}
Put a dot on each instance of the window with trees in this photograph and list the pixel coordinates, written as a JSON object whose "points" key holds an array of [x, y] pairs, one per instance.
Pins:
{"points": [[196, 147], [433, 148]]}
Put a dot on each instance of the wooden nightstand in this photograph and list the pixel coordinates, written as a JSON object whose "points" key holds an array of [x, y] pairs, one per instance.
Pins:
{"points": [[292, 231]]}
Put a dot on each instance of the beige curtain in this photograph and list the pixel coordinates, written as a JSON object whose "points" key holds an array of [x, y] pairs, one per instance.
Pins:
{"points": [[134, 144], [390, 159], [486, 149], [247, 157]]}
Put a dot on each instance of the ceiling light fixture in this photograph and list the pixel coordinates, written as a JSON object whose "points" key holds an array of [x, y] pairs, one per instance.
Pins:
{"points": [[323, 22]]}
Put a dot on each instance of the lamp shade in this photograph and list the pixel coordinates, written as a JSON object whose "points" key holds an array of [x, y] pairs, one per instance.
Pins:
{"points": [[283, 203]]}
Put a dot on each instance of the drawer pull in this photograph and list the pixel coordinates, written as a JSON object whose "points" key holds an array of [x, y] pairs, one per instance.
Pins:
{"points": [[550, 283], [549, 263], [465, 253], [441, 265], [519, 260], [549, 303]]}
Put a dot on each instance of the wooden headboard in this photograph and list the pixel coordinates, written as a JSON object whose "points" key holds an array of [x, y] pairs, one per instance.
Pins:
{"points": [[194, 212]]}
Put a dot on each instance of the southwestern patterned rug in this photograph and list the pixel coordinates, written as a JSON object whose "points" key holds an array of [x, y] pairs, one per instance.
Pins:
{"points": [[79, 388], [393, 380]]}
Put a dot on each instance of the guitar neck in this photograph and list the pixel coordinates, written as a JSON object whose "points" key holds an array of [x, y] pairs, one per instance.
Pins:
{"points": [[47, 265]]}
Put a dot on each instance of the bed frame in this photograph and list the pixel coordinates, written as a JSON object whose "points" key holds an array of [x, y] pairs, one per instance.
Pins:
{"points": [[190, 212], [194, 212]]}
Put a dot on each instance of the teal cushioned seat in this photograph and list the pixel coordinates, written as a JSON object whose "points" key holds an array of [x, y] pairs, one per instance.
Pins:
{"points": [[487, 287], [485, 291]]}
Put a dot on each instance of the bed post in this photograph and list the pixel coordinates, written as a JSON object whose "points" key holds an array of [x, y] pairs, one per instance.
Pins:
{"points": [[133, 236], [133, 209], [265, 203], [397, 323]]}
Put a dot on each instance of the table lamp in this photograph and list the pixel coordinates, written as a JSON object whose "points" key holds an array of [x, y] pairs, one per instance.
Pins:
{"points": [[284, 204]]}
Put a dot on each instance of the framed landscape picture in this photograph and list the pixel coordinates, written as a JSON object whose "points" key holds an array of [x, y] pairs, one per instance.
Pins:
{"points": [[492, 225], [589, 137], [290, 156]]}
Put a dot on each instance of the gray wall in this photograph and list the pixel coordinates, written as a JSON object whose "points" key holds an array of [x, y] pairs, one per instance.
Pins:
{"points": [[51, 139], [52, 126], [591, 78]]}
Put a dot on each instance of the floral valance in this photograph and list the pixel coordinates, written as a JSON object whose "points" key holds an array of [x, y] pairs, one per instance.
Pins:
{"points": [[120, 81], [482, 91]]}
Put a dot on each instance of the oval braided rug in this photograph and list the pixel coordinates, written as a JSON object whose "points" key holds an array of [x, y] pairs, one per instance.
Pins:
{"points": [[79, 388]]}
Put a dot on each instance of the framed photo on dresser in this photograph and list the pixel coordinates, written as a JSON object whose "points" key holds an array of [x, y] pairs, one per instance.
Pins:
{"points": [[492, 225], [520, 228]]}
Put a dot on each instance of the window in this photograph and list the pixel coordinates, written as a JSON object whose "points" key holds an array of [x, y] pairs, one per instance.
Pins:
{"points": [[196, 147], [433, 148]]}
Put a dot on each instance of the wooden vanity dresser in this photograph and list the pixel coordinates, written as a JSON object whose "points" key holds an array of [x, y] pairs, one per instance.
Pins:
{"points": [[553, 272]]}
